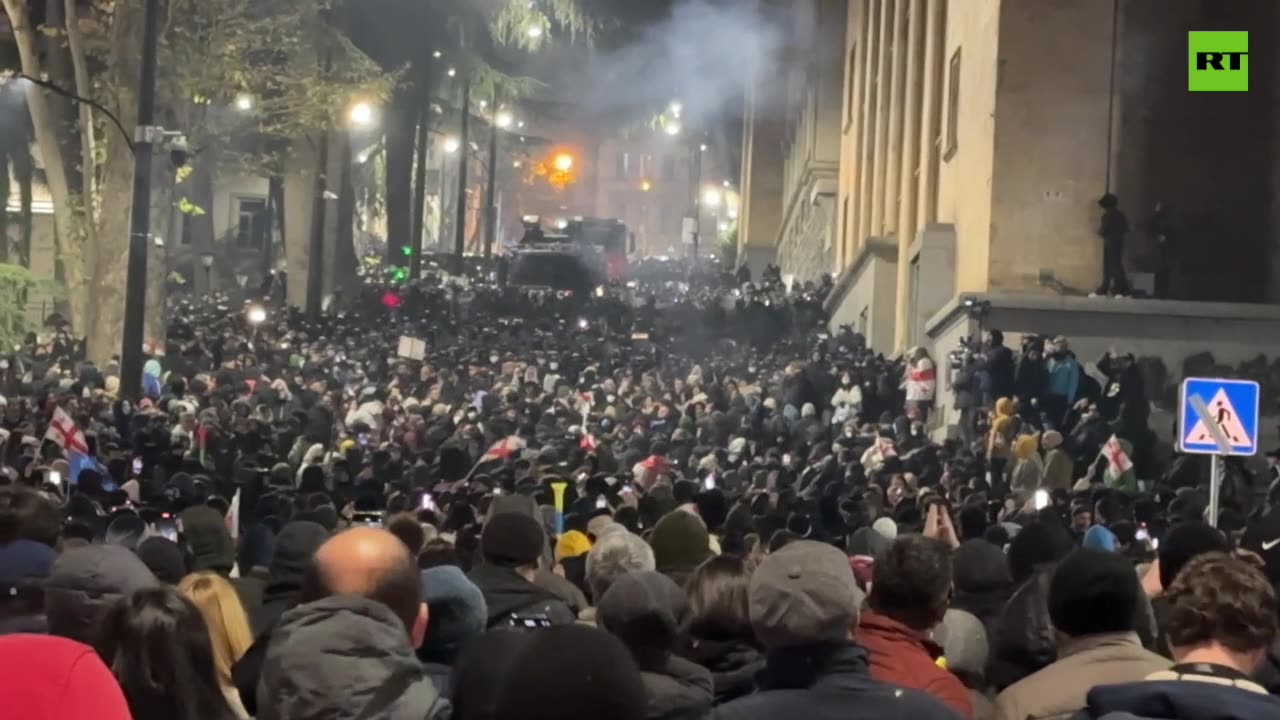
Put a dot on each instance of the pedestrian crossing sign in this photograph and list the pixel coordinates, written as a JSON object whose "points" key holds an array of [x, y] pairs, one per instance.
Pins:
{"points": [[1233, 407]]}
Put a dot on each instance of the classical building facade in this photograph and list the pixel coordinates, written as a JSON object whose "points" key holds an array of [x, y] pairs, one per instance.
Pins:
{"points": [[974, 138]]}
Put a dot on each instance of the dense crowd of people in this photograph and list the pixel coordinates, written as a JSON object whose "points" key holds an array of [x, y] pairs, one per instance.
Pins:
{"points": [[682, 496]]}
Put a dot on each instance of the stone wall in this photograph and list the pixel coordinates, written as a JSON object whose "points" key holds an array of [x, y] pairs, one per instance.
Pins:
{"points": [[805, 248]]}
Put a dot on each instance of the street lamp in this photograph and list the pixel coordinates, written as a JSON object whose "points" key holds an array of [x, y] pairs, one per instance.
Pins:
{"points": [[712, 197], [244, 102], [206, 261], [562, 162], [452, 72], [361, 114], [534, 32], [676, 107], [437, 54], [452, 145], [672, 128], [256, 315], [504, 119], [645, 186]]}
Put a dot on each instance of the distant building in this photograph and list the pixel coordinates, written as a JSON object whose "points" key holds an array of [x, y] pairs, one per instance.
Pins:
{"points": [[923, 150]]}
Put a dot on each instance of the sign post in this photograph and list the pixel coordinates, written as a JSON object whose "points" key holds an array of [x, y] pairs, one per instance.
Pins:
{"points": [[1226, 424]]}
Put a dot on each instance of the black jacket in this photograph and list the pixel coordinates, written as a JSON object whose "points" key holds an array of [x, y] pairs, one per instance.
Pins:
{"points": [[1024, 640], [829, 684], [679, 690], [733, 664], [506, 593], [1000, 365], [295, 546], [345, 657]]}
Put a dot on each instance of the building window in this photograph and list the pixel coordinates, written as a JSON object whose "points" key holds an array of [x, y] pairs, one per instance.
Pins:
{"points": [[252, 224], [953, 107], [624, 165], [185, 235]]}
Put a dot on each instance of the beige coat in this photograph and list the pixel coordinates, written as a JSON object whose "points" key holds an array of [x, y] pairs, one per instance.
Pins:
{"points": [[1057, 470], [1058, 691]]}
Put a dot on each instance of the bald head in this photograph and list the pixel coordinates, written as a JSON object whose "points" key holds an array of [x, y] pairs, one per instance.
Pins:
{"points": [[371, 563]]}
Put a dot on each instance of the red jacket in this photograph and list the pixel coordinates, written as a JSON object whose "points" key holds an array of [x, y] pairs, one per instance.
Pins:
{"points": [[904, 657], [52, 678]]}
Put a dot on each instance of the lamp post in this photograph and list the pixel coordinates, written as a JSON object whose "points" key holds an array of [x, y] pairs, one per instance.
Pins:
{"points": [[206, 262]]}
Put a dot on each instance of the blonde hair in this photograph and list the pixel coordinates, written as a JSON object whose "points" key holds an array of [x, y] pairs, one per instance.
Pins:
{"points": [[225, 617]]}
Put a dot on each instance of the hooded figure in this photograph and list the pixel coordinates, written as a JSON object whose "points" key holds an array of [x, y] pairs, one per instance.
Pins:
{"points": [[1028, 468], [151, 386], [646, 611], [345, 657], [1058, 466], [85, 582], [296, 545]]}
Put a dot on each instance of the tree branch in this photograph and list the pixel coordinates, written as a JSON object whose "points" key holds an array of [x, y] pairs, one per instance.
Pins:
{"points": [[54, 88]]}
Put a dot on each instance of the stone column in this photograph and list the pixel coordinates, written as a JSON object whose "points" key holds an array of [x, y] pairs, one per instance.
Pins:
{"points": [[931, 112], [866, 148], [851, 162], [880, 137], [897, 86], [907, 227]]}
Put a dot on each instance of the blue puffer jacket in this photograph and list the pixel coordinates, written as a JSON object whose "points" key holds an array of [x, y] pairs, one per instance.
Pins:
{"points": [[1064, 377]]}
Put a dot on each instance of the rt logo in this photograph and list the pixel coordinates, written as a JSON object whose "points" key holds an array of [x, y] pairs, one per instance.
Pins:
{"points": [[1219, 61]]}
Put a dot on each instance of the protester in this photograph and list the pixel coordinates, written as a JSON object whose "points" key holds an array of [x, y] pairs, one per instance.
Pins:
{"points": [[718, 633], [164, 558], [457, 614], [353, 638], [804, 608], [910, 593], [512, 548], [646, 611], [1222, 619], [24, 568], [680, 544], [559, 673], [51, 678], [1091, 599], [85, 583], [157, 645], [545, 445], [229, 633]]}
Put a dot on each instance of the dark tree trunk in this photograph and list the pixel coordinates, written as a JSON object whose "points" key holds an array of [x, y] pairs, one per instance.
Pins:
{"points": [[345, 279], [62, 73], [275, 187], [24, 170], [419, 188], [4, 204], [399, 127]]}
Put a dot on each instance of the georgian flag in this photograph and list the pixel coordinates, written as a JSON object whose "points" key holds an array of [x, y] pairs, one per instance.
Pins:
{"points": [[64, 433], [505, 448]]}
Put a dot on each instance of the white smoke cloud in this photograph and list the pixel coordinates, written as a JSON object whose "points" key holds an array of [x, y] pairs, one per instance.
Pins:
{"points": [[699, 54]]}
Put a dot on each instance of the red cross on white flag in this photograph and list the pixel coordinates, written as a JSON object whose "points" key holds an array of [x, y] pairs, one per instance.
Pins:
{"points": [[64, 433]]}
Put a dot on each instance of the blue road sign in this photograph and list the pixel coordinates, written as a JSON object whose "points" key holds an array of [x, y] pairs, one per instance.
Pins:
{"points": [[1232, 406]]}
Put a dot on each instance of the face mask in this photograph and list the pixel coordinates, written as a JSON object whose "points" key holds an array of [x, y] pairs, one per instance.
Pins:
{"points": [[555, 366], [493, 359]]}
